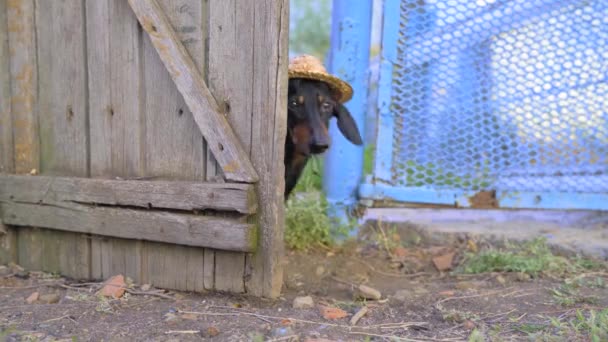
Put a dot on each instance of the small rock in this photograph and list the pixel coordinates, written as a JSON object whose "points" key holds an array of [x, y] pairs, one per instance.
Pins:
{"points": [[420, 291], [332, 313], [50, 298], [356, 317], [320, 271], [501, 280], [367, 292], [189, 316], [213, 331], [114, 287], [523, 276], [33, 297], [170, 317], [282, 332], [444, 262], [446, 293], [469, 325], [400, 252], [465, 285], [303, 302], [146, 287], [402, 295]]}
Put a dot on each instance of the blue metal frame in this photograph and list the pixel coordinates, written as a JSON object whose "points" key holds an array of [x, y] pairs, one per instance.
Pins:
{"points": [[379, 187], [344, 162], [349, 60]]}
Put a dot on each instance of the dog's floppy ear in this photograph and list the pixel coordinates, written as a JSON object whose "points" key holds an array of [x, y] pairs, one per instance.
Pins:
{"points": [[347, 125]]}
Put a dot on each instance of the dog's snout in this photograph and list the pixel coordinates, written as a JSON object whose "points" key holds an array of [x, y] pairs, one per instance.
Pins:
{"points": [[319, 148]]}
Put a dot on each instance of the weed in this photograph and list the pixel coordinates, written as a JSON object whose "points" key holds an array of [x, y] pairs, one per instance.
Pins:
{"points": [[532, 258], [387, 237], [586, 325], [568, 295], [311, 179], [530, 328], [476, 336], [307, 223]]}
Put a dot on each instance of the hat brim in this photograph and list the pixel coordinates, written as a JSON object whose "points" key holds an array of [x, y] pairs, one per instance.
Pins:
{"points": [[342, 90]]}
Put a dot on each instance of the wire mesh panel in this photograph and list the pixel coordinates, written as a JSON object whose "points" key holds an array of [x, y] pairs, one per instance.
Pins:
{"points": [[495, 95]]}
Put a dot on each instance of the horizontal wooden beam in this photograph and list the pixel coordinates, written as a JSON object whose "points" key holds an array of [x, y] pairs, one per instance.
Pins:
{"points": [[182, 229], [214, 126], [178, 195]]}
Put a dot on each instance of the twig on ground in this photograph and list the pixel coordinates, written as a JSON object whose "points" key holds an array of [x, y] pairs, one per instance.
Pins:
{"points": [[146, 293], [56, 319], [473, 296], [396, 275], [284, 338], [344, 326], [498, 315], [405, 339], [182, 332]]}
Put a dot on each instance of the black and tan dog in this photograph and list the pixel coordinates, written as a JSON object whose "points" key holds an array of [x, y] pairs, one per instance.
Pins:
{"points": [[314, 97]]}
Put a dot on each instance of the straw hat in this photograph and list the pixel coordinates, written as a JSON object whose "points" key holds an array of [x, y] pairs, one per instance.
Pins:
{"points": [[309, 67]]}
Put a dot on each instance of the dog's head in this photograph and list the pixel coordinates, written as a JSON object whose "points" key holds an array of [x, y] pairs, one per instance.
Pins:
{"points": [[310, 106]]}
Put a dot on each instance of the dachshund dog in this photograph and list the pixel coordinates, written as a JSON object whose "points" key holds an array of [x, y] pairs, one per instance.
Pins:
{"points": [[310, 106]]}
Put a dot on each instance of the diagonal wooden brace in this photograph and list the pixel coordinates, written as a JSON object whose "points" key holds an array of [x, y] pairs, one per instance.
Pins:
{"points": [[225, 146]]}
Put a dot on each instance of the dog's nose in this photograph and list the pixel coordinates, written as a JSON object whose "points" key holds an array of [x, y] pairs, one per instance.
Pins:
{"points": [[319, 148]]}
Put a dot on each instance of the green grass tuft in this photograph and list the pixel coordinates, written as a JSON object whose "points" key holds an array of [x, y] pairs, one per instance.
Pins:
{"points": [[532, 258]]}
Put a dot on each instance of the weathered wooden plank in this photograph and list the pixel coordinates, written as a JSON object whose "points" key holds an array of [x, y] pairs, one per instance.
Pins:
{"points": [[6, 122], [63, 118], [117, 117], [162, 269], [30, 247], [111, 256], [24, 82], [269, 128], [222, 141], [175, 145], [146, 194], [230, 78], [8, 244], [182, 229], [62, 86]]}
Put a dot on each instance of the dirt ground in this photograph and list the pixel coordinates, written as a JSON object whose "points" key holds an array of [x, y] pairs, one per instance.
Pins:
{"points": [[418, 303]]}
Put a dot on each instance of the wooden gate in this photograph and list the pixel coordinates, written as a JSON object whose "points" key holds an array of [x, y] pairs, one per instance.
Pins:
{"points": [[145, 137]]}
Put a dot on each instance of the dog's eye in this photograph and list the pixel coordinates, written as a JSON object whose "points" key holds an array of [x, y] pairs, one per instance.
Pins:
{"points": [[326, 106], [293, 103]]}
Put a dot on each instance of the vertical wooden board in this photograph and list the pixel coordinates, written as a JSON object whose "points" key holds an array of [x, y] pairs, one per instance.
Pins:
{"points": [[209, 269], [62, 98], [23, 84], [74, 261], [174, 144], [114, 40], [195, 260], [30, 248], [63, 118], [8, 244], [117, 118], [112, 256], [174, 267], [6, 122], [230, 79], [269, 128]]}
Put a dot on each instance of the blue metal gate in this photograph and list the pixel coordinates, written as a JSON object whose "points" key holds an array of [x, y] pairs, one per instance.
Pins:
{"points": [[492, 103]]}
